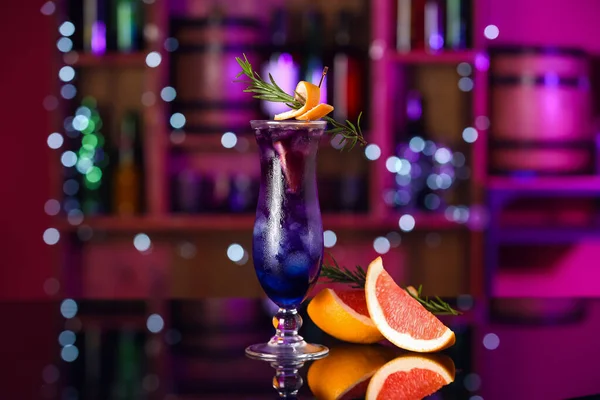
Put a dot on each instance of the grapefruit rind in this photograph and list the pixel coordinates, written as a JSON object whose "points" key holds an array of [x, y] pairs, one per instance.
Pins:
{"points": [[337, 319], [311, 94], [399, 339], [317, 112], [407, 363]]}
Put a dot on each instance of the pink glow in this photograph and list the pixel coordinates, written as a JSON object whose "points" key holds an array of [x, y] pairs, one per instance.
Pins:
{"points": [[547, 22], [541, 363], [98, 37], [576, 274], [285, 71]]}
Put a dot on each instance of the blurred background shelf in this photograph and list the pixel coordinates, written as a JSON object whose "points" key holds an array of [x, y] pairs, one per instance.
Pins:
{"points": [[443, 57], [114, 60], [174, 223], [444, 109]]}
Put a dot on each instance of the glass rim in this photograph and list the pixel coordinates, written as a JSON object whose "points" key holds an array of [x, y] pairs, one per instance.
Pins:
{"points": [[266, 123]]}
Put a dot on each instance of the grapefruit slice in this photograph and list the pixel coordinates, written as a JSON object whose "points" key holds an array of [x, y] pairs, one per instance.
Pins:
{"points": [[345, 373], [410, 377], [307, 93], [343, 314], [315, 113], [399, 317]]}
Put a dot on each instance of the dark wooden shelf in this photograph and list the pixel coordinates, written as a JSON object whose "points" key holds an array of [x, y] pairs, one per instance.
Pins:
{"points": [[210, 142], [442, 57], [111, 60], [238, 222]]}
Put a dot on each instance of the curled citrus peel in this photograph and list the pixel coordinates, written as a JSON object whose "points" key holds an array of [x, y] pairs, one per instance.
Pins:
{"points": [[310, 95]]}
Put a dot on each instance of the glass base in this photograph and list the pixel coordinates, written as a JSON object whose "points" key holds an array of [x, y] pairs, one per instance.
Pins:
{"points": [[300, 351], [287, 345]]}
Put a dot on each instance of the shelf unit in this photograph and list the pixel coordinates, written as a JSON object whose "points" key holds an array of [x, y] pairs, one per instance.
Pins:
{"points": [[385, 76], [159, 141]]}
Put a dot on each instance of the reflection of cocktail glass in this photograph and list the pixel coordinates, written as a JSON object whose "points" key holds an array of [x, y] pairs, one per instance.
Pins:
{"points": [[288, 231]]}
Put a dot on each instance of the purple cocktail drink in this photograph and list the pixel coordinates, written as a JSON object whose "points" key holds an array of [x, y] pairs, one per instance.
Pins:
{"points": [[288, 232]]}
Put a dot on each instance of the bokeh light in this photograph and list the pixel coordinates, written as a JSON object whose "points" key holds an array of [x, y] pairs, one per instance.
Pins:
{"points": [[177, 120], [491, 32], [464, 69], [67, 28], [491, 341], [69, 353], [155, 323], [235, 252], [407, 222], [372, 152], [381, 245], [229, 140], [66, 73], [329, 239], [142, 242], [470, 134], [472, 382], [168, 93], [171, 44], [68, 308], [66, 338], [64, 45], [51, 236], [52, 207], [153, 59], [465, 84], [55, 140]]}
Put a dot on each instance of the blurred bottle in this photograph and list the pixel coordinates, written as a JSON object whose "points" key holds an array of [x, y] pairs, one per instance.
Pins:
{"points": [[127, 25], [242, 197], [128, 369], [128, 175], [434, 25], [403, 25], [417, 25], [95, 17], [312, 68], [458, 20], [348, 73], [93, 161], [280, 64], [188, 191], [412, 170]]}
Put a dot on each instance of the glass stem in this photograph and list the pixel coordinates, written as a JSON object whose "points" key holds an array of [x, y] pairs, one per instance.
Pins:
{"points": [[288, 325]]}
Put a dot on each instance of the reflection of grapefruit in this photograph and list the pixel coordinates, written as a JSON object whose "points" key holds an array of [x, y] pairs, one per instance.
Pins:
{"points": [[343, 314], [399, 317], [410, 377], [346, 371]]}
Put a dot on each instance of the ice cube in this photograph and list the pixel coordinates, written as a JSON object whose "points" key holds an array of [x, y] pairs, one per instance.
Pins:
{"points": [[296, 263]]}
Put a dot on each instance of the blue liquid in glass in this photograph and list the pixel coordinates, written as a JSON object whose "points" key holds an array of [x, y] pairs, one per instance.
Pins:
{"points": [[288, 232]]}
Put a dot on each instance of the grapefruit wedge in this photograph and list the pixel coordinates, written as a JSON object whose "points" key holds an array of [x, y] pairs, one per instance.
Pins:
{"points": [[411, 376], [399, 317], [345, 373], [343, 314]]}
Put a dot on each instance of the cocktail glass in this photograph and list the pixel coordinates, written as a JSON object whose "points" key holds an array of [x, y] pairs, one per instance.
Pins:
{"points": [[287, 247]]}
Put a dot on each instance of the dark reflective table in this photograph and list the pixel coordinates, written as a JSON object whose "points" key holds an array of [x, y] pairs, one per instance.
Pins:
{"points": [[180, 349]]}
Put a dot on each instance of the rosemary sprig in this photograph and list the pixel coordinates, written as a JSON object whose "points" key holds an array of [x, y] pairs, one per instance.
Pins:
{"points": [[357, 279], [270, 91], [436, 305], [336, 274]]}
